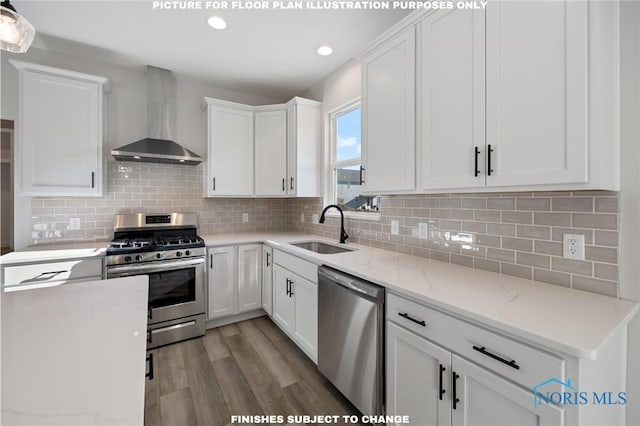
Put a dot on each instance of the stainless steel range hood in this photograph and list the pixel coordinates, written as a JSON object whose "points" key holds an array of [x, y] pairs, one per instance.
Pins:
{"points": [[159, 146]]}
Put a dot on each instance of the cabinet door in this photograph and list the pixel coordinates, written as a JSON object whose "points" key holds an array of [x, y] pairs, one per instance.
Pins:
{"points": [[283, 302], [222, 282], [537, 92], [487, 399], [305, 330], [61, 135], [451, 105], [271, 152], [230, 153], [388, 115], [267, 279], [249, 277], [304, 149], [413, 378]]}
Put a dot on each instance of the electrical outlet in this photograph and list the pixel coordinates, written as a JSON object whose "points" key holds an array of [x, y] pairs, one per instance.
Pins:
{"points": [[573, 246], [423, 231], [302, 217], [74, 223], [395, 227], [315, 218], [245, 217]]}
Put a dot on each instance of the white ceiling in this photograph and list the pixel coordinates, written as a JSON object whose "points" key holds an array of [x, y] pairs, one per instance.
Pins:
{"points": [[270, 52]]}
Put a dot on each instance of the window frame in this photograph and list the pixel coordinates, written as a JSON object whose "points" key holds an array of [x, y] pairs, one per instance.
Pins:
{"points": [[333, 164]]}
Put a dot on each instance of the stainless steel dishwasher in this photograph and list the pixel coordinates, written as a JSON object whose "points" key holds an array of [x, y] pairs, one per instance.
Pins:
{"points": [[351, 338]]}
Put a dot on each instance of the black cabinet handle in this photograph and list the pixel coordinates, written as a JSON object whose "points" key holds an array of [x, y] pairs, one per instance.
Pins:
{"points": [[211, 261], [476, 172], [149, 314], [150, 361], [410, 318], [454, 399], [511, 363], [268, 264], [149, 336], [361, 179], [291, 184], [442, 370], [93, 179], [214, 184], [489, 168], [283, 179]]}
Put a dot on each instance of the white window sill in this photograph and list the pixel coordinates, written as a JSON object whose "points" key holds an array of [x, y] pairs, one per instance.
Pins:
{"points": [[375, 217]]}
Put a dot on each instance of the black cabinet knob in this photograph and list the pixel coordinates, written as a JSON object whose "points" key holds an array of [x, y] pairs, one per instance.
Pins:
{"points": [[178, 253], [139, 258], [127, 259], [187, 253]]}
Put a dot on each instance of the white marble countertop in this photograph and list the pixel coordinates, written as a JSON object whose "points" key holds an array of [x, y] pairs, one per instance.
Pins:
{"points": [[75, 354], [570, 321], [46, 253]]}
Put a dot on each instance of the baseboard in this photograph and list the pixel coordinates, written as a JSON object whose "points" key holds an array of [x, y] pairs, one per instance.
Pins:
{"points": [[219, 322]]}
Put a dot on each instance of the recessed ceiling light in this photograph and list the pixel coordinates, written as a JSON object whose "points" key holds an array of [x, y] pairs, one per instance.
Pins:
{"points": [[325, 51], [217, 23]]}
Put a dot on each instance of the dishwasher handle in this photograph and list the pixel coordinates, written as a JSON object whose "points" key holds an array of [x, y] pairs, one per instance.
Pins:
{"points": [[355, 284]]}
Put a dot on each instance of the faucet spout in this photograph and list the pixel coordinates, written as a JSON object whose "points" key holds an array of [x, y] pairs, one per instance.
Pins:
{"points": [[343, 233]]}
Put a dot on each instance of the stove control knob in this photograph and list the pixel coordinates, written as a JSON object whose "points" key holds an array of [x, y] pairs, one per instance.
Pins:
{"points": [[178, 253], [187, 253], [139, 258], [127, 259], [159, 255]]}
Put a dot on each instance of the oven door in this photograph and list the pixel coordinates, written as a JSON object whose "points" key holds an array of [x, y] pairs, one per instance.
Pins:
{"points": [[176, 288]]}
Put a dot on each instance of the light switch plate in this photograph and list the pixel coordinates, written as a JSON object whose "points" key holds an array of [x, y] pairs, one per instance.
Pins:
{"points": [[315, 218], [302, 217], [395, 227], [573, 246], [245, 217]]}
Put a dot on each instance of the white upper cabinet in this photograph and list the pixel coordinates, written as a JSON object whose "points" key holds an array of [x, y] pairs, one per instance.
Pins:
{"points": [[503, 102], [60, 131], [388, 115], [271, 151], [281, 143], [537, 92], [229, 169], [304, 150], [451, 98]]}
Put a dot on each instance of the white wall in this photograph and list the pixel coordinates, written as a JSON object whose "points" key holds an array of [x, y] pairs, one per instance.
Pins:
{"points": [[338, 88], [630, 192], [126, 111]]}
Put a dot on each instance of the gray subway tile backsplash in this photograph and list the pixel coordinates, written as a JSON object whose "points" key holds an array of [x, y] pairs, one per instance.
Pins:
{"points": [[518, 234]]}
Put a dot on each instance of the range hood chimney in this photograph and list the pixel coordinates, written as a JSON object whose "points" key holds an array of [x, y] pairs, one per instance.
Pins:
{"points": [[159, 146]]}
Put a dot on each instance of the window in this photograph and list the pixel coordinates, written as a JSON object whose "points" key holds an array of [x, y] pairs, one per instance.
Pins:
{"points": [[346, 161]]}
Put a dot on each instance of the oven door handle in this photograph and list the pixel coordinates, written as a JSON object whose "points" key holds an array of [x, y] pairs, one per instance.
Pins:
{"points": [[122, 271]]}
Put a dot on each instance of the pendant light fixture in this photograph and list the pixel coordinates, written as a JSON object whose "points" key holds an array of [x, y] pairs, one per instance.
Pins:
{"points": [[16, 33]]}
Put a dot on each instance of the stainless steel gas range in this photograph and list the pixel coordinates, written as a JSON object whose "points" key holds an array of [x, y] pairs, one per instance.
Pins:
{"points": [[167, 248]]}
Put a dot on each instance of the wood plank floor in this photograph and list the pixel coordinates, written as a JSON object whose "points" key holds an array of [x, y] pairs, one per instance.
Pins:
{"points": [[248, 368]]}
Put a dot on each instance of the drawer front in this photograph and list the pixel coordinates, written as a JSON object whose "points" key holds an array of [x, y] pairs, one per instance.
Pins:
{"points": [[299, 266], [516, 361], [41, 273]]}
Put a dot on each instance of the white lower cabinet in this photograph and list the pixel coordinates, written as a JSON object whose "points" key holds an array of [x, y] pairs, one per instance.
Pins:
{"points": [[443, 370], [249, 277], [267, 279], [295, 301], [221, 282], [234, 280], [484, 398], [283, 302], [435, 387]]}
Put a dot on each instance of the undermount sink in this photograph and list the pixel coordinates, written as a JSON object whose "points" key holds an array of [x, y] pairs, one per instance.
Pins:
{"points": [[321, 248]]}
